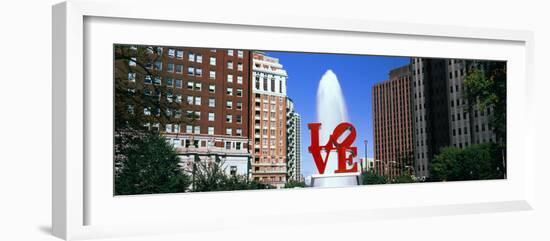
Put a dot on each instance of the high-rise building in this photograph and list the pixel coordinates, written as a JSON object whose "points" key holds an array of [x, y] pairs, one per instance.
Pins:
{"points": [[212, 89], [293, 142], [441, 111], [268, 120], [392, 123]]}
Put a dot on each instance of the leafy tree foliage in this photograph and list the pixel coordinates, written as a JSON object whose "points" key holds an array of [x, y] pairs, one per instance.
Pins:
{"points": [[476, 162], [147, 164], [371, 177], [211, 176], [144, 162], [133, 97], [487, 88], [294, 184], [404, 179]]}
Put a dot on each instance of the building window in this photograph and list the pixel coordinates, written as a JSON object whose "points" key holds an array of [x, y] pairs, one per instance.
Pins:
{"points": [[179, 83], [239, 132], [229, 104], [239, 105], [197, 131], [210, 130], [170, 68], [199, 58], [157, 80], [190, 85], [171, 53], [158, 65], [230, 78], [148, 79], [240, 92], [230, 65], [198, 86], [228, 131], [131, 76], [169, 82], [132, 61], [240, 66], [191, 71], [228, 118], [211, 116], [239, 79], [179, 54], [213, 61], [240, 54], [212, 74], [238, 119], [229, 91], [211, 102], [198, 100], [189, 129], [147, 111], [179, 68], [198, 72], [191, 57], [230, 52], [212, 88], [190, 100]]}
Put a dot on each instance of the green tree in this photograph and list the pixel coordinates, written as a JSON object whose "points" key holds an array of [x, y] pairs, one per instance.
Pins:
{"points": [[476, 162], [294, 184], [144, 65], [371, 177], [404, 179], [487, 88], [147, 164], [211, 176], [143, 106]]}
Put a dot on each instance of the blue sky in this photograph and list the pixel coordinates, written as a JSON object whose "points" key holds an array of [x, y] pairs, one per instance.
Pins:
{"points": [[356, 74]]}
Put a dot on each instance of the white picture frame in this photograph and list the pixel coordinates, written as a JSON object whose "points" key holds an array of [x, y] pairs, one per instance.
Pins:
{"points": [[72, 193]]}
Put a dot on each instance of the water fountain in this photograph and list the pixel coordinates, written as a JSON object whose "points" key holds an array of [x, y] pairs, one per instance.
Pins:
{"points": [[331, 110]]}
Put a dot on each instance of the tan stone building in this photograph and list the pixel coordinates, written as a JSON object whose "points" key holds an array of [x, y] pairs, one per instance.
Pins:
{"points": [[268, 120]]}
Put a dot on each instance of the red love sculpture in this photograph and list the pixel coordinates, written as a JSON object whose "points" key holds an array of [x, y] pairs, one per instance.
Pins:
{"points": [[345, 151]]}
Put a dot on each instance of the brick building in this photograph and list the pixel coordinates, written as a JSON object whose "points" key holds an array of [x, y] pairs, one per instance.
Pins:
{"points": [[211, 87], [393, 123]]}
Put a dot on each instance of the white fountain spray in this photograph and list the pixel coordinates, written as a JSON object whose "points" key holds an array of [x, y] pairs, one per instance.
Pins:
{"points": [[331, 110]]}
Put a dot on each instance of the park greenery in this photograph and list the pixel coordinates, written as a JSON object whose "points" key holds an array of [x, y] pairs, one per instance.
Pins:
{"points": [[212, 176], [147, 164], [295, 184], [476, 162]]}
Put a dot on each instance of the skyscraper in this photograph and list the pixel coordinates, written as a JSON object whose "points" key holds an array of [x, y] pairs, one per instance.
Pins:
{"points": [[293, 142], [442, 114], [269, 121], [392, 123]]}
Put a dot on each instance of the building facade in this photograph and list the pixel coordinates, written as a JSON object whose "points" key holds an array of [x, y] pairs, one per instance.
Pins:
{"points": [[393, 123], [211, 88], [268, 120], [293, 144], [442, 114]]}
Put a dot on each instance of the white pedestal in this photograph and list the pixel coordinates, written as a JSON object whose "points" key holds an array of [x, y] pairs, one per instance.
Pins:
{"points": [[336, 180]]}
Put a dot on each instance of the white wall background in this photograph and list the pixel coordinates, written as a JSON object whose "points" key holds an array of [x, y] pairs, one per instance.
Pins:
{"points": [[25, 119]]}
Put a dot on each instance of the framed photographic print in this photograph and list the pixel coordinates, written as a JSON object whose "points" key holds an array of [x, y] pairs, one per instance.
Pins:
{"points": [[169, 123]]}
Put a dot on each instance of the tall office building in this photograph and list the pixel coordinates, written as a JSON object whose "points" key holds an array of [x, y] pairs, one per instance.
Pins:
{"points": [[211, 87], [268, 124], [392, 123], [441, 112], [293, 142]]}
